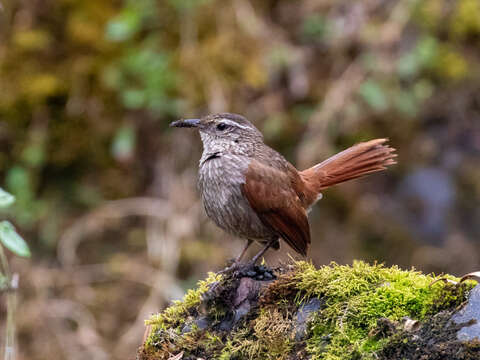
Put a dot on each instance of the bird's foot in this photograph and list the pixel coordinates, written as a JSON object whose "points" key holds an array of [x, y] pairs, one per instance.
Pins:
{"points": [[234, 274], [230, 269], [248, 269], [215, 288], [257, 272]]}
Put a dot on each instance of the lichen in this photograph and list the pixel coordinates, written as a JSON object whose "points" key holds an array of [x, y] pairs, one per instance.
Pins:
{"points": [[361, 312]]}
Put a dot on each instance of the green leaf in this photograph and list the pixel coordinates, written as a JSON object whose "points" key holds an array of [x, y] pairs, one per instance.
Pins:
{"points": [[124, 26], [374, 95], [423, 89], [12, 241], [124, 142], [6, 199], [406, 103], [19, 182], [133, 98], [314, 27], [34, 154], [408, 65], [427, 50]]}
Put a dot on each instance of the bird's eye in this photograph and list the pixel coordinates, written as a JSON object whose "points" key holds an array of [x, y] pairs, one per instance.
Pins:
{"points": [[221, 126]]}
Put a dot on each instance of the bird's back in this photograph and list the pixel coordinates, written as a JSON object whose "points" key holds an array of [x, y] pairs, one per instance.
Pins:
{"points": [[270, 157]]}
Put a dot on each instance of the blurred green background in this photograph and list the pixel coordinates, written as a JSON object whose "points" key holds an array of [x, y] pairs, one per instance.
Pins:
{"points": [[106, 193]]}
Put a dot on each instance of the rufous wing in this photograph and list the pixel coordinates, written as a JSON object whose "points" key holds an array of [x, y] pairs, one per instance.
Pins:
{"points": [[270, 194]]}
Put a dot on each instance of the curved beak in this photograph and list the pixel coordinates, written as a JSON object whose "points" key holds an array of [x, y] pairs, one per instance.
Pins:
{"points": [[186, 123]]}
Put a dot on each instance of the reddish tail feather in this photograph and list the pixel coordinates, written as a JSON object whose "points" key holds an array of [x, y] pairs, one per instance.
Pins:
{"points": [[359, 160]]}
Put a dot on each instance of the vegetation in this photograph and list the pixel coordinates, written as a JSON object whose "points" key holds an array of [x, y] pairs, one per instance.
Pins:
{"points": [[356, 303], [10, 239], [175, 314]]}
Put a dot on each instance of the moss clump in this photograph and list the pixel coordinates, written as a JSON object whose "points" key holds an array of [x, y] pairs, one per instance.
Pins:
{"points": [[269, 336], [435, 339], [358, 296], [360, 312]]}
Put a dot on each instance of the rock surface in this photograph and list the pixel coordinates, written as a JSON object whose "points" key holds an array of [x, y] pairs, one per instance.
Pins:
{"points": [[334, 312], [470, 316]]}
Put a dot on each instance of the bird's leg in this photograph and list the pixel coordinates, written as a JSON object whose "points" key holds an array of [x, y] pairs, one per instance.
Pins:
{"points": [[247, 245], [236, 262], [260, 254]]}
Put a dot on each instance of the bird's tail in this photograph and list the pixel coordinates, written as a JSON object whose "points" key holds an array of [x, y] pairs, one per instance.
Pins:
{"points": [[360, 159]]}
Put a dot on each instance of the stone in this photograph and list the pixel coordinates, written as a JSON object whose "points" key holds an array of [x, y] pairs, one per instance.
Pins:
{"points": [[469, 315]]}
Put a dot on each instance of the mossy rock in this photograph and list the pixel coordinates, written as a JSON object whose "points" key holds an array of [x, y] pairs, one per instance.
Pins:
{"points": [[361, 311]]}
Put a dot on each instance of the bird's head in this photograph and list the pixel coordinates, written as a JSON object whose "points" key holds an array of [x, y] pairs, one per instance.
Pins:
{"points": [[223, 132]]}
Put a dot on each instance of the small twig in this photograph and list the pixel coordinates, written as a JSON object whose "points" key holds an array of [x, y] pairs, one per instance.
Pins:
{"points": [[475, 275], [471, 276], [12, 286], [11, 312]]}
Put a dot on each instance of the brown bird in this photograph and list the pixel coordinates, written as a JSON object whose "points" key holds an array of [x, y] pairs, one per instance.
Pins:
{"points": [[253, 192]]}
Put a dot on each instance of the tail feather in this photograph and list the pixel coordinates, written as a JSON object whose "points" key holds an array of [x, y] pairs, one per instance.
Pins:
{"points": [[356, 161]]}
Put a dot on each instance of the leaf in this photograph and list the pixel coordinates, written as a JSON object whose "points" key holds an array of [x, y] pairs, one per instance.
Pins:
{"points": [[408, 65], [124, 26], [374, 95], [6, 199], [179, 356], [314, 27], [427, 51], [133, 98], [124, 143], [12, 241]]}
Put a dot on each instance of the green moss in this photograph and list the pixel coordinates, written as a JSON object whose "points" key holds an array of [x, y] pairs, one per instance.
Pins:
{"points": [[358, 295], [269, 336], [174, 316], [356, 300]]}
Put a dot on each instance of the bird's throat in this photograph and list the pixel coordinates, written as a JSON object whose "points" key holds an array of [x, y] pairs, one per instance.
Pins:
{"points": [[215, 155]]}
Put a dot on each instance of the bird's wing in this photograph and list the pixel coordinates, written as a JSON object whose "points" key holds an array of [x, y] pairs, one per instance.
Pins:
{"points": [[270, 193]]}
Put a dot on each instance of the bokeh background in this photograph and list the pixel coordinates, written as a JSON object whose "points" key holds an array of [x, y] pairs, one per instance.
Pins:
{"points": [[106, 191]]}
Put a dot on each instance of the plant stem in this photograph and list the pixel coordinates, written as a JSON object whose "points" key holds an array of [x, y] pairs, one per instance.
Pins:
{"points": [[5, 267], [10, 330], [11, 290]]}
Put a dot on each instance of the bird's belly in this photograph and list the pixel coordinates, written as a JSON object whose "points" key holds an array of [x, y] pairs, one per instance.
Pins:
{"points": [[224, 203]]}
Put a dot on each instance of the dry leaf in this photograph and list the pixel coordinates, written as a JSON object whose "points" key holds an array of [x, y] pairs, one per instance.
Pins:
{"points": [[411, 325], [179, 356]]}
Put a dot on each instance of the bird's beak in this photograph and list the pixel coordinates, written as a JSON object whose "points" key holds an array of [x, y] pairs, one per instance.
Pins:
{"points": [[186, 123]]}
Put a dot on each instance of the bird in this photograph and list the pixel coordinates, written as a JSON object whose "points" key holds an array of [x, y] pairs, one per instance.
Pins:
{"points": [[251, 191]]}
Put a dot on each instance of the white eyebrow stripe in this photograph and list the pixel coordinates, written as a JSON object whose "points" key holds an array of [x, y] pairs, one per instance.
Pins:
{"points": [[233, 123]]}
